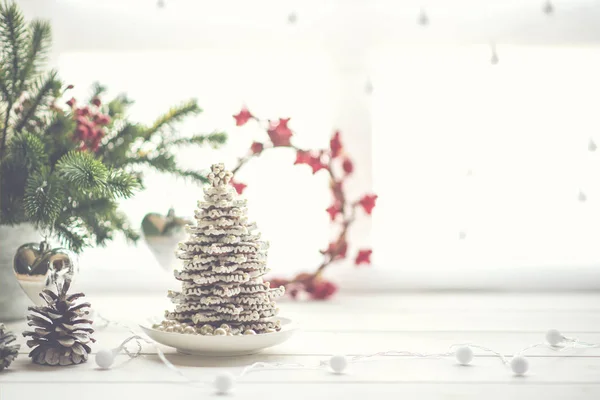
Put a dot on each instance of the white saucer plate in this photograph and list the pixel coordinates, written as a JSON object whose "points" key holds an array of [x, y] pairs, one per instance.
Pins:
{"points": [[219, 345]]}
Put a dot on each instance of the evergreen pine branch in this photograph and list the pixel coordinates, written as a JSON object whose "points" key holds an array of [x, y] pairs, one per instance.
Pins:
{"points": [[215, 139], [13, 33], [162, 162], [121, 184], [40, 35], [12, 43], [98, 89], [27, 151], [71, 236], [116, 150], [120, 222], [81, 169], [174, 115], [4, 83], [44, 89], [43, 200], [119, 105], [85, 205], [190, 175]]}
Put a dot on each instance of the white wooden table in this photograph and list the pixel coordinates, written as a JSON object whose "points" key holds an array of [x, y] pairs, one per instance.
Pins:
{"points": [[351, 325]]}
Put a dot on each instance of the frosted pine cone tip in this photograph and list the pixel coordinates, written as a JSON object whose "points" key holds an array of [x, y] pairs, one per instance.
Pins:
{"points": [[219, 176]]}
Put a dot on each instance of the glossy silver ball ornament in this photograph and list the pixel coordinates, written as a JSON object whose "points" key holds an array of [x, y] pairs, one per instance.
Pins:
{"points": [[38, 267]]}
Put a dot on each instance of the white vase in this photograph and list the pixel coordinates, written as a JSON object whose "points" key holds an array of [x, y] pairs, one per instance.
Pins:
{"points": [[13, 301]]}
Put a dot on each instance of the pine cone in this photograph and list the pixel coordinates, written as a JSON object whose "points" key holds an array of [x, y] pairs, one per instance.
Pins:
{"points": [[61, 333], [8, 351]]}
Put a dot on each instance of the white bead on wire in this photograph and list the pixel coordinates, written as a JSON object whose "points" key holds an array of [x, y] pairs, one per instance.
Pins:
{"points": [[338, 363], [464, 355], [519, 365], [554, 337], [105, 358], [224, 382]]}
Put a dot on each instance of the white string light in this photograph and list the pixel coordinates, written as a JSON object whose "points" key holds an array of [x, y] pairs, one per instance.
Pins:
{"points": [[423, 19], [292, 18], [224, 382], [494, 58]]}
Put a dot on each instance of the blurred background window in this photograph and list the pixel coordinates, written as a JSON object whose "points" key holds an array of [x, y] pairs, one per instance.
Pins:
{"points": [[475, 122]]}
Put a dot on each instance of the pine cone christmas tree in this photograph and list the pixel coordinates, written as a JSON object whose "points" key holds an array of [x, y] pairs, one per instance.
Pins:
{"points": [[223, 292], [8, 351], [61, 331]]}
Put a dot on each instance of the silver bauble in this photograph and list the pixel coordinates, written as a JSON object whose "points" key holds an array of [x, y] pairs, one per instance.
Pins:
{"points": [[38, 267], [162, 235]]}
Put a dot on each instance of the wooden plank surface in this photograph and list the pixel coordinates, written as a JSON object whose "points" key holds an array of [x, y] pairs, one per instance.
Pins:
{"points": [[364, 324]]}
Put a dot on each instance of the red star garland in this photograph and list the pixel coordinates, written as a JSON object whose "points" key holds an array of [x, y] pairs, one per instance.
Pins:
{"points": [[239, 187], [257, 148], [302, 157], [322, 290], [338, 250], [335, 145], [316, 164], [363, 257], [333, 211], [242, 117], [368, 202], [279, 133], [342, 212], [348, 166]]}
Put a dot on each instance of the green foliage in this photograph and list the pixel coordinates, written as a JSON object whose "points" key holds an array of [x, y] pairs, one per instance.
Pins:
{"points": [[53, 176], [138, 147]]}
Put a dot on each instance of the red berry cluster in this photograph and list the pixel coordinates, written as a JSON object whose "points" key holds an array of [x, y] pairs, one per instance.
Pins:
{"points": [[338, 165], [90, 123]]}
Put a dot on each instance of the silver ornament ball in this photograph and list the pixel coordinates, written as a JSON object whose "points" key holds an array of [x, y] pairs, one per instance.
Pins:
{"points": [[519, 365], [464, 355], [338, 363], [554, 337], [38, 267], [224, 382]]}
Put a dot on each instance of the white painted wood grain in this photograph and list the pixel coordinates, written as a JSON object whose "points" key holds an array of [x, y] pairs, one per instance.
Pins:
{"points": [[149, 368], [354, 325], [294, 391]]}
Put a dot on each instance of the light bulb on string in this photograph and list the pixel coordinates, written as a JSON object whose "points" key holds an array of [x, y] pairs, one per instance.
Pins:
{"points": [[423, 19], [548, 7], [592, 145], [582, 197], [368, 87], [292, 18], [494, 58]]}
